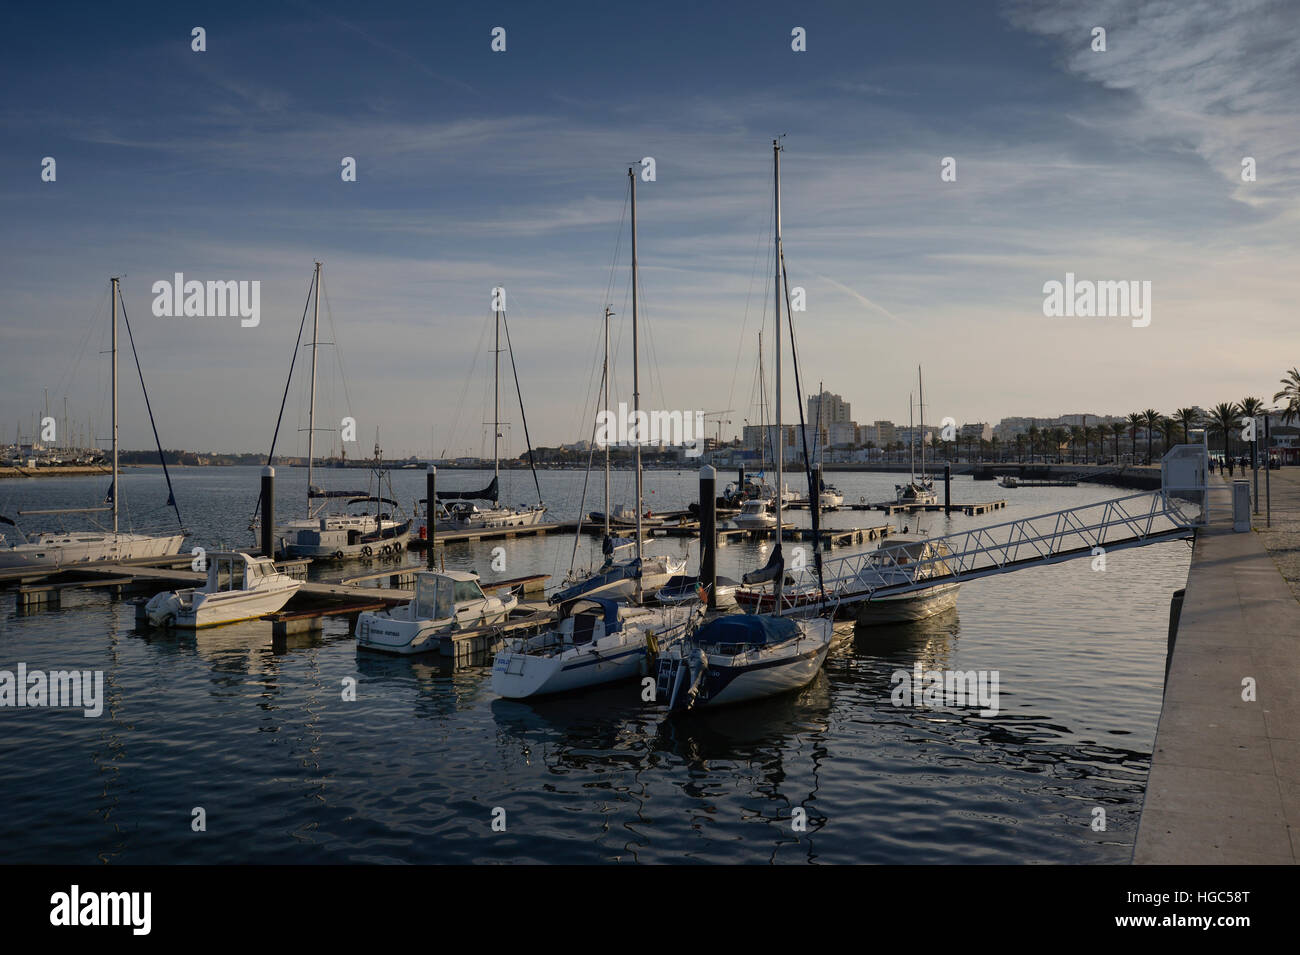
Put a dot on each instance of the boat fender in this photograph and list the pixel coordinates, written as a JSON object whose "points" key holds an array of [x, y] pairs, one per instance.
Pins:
{"points": [[679, 677], [699, 664]]}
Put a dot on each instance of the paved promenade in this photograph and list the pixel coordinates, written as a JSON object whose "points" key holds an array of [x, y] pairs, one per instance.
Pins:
{"points": [[1225, 773]]}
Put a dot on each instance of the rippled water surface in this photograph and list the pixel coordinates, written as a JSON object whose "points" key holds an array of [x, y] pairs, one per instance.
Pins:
{"points": [[287, 771]]}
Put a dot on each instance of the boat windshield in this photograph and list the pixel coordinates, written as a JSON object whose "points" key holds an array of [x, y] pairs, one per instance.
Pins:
{"points": [[468, 590], [432, 601]]}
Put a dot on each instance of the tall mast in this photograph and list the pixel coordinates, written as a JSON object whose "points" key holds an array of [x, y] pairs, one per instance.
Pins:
{"points": [[608, 312], [116, 493], [911, 438], [311, 408], [780, 427], [920, 387], [636, 385], [496, 407]]}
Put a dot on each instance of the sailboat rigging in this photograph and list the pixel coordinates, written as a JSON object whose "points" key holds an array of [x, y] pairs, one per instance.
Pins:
{"points": [[465, 514], [744, 656], [323, 535], [56, 548]]}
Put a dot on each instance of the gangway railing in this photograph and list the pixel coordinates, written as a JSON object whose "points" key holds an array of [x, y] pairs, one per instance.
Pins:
{"points": [[1135, 520]]}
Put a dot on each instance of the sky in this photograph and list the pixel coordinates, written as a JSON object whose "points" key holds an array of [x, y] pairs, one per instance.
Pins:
{"points": [[477, 169]]}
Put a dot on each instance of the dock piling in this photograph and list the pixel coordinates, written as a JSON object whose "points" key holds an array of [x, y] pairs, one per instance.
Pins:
{"points": [[431, 511], [268, 512], [708, 533], [947, 489]]}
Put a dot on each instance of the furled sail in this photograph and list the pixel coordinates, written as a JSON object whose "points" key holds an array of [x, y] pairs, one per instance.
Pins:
{"points": [[489, 493]]}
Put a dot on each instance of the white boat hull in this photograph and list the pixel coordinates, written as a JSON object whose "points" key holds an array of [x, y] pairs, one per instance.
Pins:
{"points": [[518, 675], [750, 674], [907, 607], [384, 634], [791, 674], [57, 550], [497, 518]]}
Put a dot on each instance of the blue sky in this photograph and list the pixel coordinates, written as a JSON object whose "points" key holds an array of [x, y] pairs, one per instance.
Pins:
{"points": [[478, 169]]}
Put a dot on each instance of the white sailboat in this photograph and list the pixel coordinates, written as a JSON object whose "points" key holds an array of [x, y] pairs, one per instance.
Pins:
{"points": [[333, 536], [739, 657], [59, 548], [443, 602], [625, 576], [240, 587], [465, 514], [916, 491]]}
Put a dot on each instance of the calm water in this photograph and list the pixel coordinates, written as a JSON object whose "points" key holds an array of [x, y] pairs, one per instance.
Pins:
{"points": [[411, 771]]}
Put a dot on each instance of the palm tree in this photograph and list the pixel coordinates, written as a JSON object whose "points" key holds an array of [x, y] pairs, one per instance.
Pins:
{"points": [[1135, 420], [1223, 418], [1151, 418], [1091, 433], [1033, 441], [1188, 418], [1167, 427], [1291, 394], [1060, 436], [1117, 428], [1020, 446], [1076, 434]]}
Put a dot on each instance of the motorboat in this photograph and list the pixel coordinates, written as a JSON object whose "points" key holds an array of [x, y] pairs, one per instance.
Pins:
{"points": [[755, 515], [1008, 480], [444, 602], [900, 562], [594, 641], [830, 498], [740, 657], [239, 587]]}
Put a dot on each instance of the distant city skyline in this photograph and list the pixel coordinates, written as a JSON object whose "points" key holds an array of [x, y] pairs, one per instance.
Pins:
{"points": [[944, 165]]}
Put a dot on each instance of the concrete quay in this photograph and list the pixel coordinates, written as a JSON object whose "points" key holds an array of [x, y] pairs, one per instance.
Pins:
{"points": [[1224, 786]]}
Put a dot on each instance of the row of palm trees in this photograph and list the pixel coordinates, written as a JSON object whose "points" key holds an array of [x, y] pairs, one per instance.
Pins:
{"points": [[1222, 421]]}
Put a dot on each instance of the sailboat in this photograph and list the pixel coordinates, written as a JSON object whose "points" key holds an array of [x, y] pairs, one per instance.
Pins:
{"points": [[334, 536], [595, 640], [58, 548], [465, 514], [738, 657], [628, 573], [916, 491]]}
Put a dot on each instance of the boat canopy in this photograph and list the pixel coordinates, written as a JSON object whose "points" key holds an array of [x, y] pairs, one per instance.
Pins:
{"points": [[755, 629], [489, 493], [378, 500], [619, 572], [610, 608]]}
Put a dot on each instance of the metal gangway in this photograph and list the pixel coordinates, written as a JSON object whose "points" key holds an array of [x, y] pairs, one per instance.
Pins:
{"points": [[1174, 512]]}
